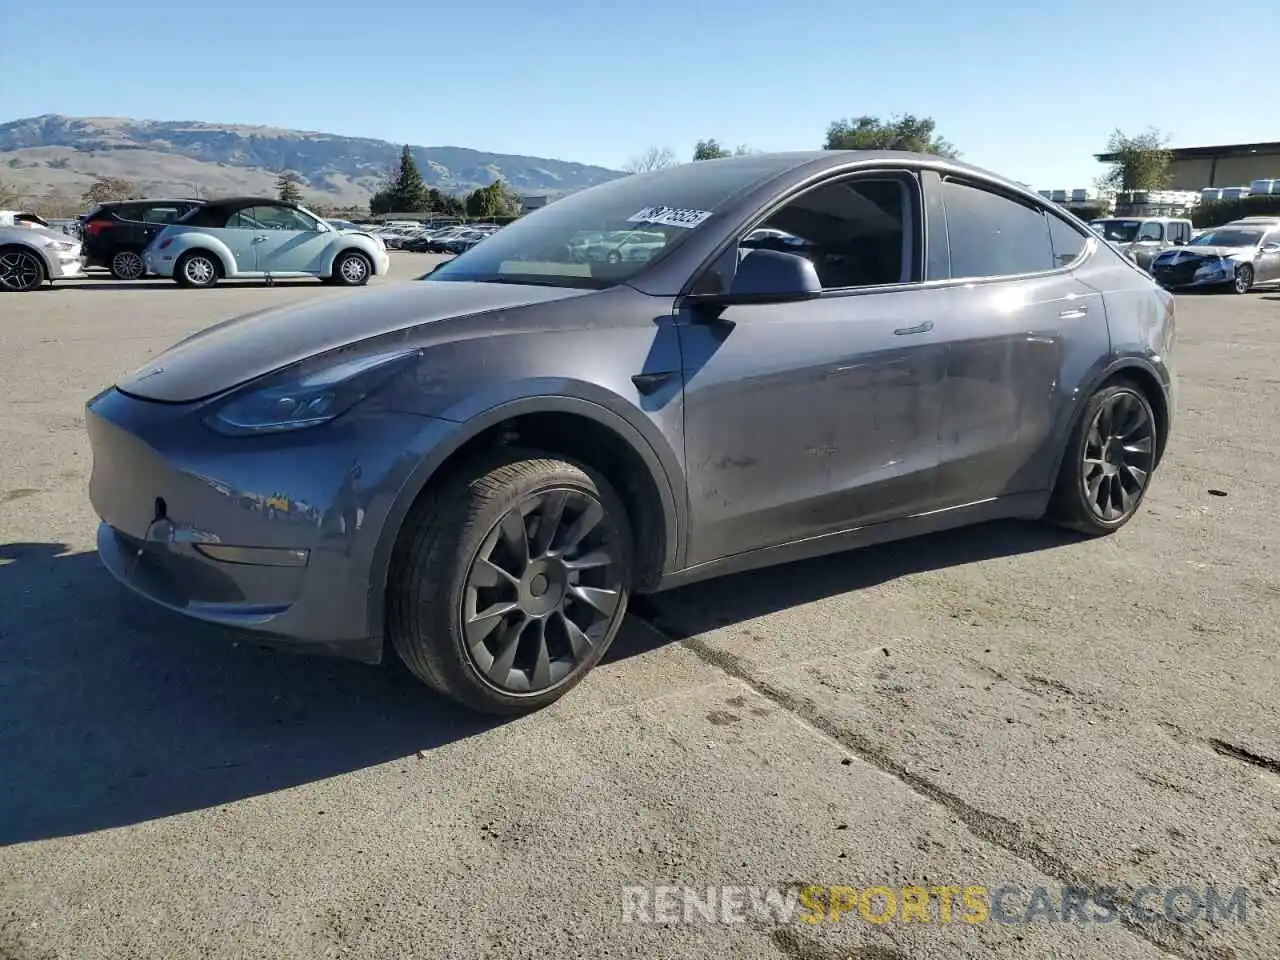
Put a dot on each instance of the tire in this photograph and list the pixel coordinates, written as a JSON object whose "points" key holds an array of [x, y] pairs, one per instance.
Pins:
{"points": [[1109, 462], [197, 268], [21, 269], [549, 620], [351, 269], [128, 265], [1244, 279]]}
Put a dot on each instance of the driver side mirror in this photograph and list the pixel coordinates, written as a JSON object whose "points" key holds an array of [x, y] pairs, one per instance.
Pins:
{"points": [[769, 276]]}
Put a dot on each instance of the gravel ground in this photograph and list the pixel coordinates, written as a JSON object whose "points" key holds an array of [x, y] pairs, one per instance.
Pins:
{"points": [[1004, 705]]}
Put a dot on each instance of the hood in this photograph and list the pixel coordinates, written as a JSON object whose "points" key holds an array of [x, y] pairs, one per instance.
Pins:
{"points": [[236, 351], [20, 232], [1205, 251]]}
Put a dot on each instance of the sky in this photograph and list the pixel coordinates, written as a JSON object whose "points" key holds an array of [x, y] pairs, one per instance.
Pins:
{"points": [[1031, 90]]}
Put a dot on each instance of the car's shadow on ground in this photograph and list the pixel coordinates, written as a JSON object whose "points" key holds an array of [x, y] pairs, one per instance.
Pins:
{"points": [[114, 712], [724, 602], [156, 283]]}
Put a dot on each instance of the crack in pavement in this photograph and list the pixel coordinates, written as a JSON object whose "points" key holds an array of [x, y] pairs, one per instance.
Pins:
{"points": [[1222, 748], [1169, 938]]}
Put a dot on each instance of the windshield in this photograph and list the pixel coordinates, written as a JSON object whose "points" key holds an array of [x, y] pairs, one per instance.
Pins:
{"points": [[1228, 238], [1118, 231], [607, 234]]}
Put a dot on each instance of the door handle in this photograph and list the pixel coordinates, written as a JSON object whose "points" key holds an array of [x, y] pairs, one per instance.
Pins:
{"points": [[1075, 313], [259, 239], [918, 328]]}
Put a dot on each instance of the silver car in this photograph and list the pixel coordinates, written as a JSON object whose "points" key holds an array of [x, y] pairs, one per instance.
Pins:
{"points": [[1142, 239], [1234, 258]]}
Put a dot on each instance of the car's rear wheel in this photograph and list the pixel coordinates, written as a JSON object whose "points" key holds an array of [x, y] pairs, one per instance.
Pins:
{"points": [[21, 270], [128, 265], [1244, 279], [352, 269], [196, 269], [510, 580], [1108, 463]]}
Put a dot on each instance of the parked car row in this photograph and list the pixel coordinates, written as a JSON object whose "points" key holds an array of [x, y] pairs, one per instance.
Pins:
{"points": [[453, 238], [1231, 257], [194, 242]]}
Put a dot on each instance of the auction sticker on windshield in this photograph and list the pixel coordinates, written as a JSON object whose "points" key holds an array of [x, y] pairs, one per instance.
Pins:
{"points": [[670, 217]]}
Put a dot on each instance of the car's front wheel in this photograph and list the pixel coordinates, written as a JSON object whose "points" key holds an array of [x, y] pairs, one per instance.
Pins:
{"points": [[1108, 462], [196, 269], [1244, 279], [510, 580], [352, 269], [21, 269], [128, 265]]}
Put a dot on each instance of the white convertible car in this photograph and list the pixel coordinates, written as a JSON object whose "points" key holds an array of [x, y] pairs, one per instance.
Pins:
{"points": [[252, 237], [32, 252]]}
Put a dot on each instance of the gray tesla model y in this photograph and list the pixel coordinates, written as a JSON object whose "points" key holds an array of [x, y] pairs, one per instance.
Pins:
{"points": [[801, 353]]}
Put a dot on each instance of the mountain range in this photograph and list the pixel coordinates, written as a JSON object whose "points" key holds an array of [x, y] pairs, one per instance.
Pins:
{"points": [[64, 155]]}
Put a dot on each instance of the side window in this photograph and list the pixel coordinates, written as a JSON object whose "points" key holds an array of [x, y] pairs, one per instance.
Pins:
{"points": [[129, 211], [858, 232], [1068, 243], [161, 214], [280, 218], [243, 220], [991, 235], [1151, 231]]}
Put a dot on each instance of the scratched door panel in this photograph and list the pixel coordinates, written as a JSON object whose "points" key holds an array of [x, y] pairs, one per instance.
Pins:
{"points": [[811, 418]]}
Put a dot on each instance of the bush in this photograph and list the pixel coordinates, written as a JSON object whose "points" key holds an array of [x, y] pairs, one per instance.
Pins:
{"points": [[1214, 213]]}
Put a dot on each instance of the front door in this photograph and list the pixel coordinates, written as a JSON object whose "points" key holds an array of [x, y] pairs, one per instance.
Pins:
{"points": [[811, 418], [1267, 266], [288, 242]]}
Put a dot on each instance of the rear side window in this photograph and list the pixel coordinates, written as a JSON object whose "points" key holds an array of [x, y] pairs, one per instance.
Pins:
{"points": [[162, 213], [993, 235], [207, 216], [130, 211], [1068, 242]]}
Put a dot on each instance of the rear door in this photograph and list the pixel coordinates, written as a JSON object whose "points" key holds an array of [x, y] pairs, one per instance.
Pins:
{"points": [[154, 217], [1020, 318]]}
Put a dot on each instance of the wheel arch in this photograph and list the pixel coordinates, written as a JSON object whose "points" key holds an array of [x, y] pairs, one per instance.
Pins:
{"points": [[14, 246], [575, 428], [346, 245], [1141, 373]]}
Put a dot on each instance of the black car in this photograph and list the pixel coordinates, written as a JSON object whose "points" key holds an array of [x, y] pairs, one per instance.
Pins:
{"points": [[116, 233]]}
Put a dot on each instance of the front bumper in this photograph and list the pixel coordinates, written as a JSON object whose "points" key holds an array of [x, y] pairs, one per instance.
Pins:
{"points": [[1185, 276], [267, 534], [64, 265]]}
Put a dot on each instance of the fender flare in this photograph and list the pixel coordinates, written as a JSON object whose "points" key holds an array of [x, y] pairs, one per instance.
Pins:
{"points": [[346, 245], [1100, 375], [673, 506], [211, 245]]}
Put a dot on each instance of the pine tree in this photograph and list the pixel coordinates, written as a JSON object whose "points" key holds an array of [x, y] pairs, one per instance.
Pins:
{"points": [[287, 187], [408, 192]]}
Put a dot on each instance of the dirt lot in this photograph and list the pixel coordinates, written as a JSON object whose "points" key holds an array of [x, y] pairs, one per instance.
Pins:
{"points": [[999, 706]]}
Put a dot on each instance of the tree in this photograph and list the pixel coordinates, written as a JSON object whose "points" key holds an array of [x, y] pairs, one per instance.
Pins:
{"points": [[445, 203], [495, 200], [902, 132], [288, 186], [655, 158], [105, 189], [710, 150], [406, 193], [1140, 162]]}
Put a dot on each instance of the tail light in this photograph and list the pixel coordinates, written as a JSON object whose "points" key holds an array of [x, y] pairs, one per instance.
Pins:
{"points": [[164, 244], [95, 227]]}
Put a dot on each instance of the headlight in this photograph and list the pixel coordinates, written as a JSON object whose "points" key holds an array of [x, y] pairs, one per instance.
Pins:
{"points": [[307, 394]]}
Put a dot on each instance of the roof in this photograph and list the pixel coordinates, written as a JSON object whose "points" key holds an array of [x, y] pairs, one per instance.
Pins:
{"points": [[249, 202], [1209, 153]]}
